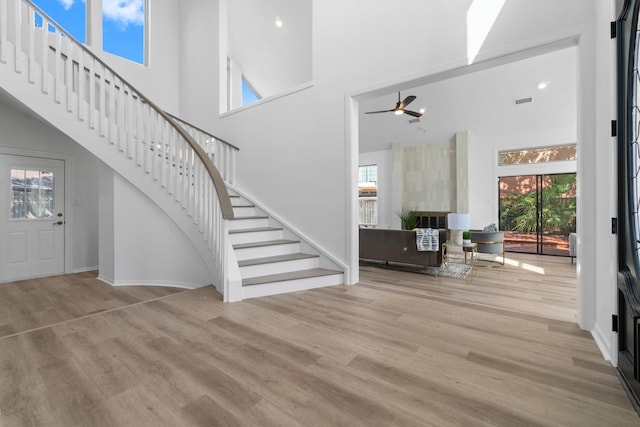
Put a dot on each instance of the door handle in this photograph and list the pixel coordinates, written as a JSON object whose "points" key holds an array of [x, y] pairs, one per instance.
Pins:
{"points": [[58, 223]]}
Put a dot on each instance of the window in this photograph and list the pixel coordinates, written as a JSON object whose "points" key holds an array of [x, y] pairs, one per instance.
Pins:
{"points": [[368, 194], [537, 155], [248, 94], [268, 48], [123, 28], [31, 194], [69, 14]]}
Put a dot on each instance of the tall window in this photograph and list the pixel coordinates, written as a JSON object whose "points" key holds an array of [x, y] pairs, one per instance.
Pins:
{"points": [[69, 14], [123, 28], [368, 194]]}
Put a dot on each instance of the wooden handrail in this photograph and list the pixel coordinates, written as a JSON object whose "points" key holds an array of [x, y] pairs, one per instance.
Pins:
{"points": [[218, 182], [204, 131]]}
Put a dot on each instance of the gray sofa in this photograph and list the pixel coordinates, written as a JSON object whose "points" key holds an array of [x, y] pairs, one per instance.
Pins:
{"points": [[398, 246]]}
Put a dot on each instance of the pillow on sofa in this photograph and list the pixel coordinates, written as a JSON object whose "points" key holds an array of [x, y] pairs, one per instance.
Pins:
{"points": [[490, 227]]}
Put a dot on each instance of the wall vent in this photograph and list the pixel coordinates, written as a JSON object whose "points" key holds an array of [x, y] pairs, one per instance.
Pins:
{"points": [[523, 100]]}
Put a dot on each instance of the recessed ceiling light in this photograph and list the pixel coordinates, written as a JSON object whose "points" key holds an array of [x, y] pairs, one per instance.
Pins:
{"points": [[279, 22], [422, 110], [542, 85]]}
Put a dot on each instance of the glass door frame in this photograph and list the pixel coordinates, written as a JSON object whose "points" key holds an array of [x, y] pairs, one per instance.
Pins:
{"points": [[539, 188]]}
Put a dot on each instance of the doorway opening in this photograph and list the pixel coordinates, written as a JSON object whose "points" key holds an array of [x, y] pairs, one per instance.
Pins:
{"points": [[537, 212]]}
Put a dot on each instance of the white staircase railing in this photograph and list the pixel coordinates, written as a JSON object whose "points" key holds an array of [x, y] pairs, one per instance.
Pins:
{"points": [[64, 72], [220, 151]]}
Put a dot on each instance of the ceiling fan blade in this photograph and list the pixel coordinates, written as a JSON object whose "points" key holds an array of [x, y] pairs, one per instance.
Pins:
{"points": [[408, 100], [412, 113], [376, 112]]}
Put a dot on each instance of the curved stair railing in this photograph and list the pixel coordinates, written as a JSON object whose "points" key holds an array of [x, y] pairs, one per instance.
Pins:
{"points": [[220, 151], [66, 73]]}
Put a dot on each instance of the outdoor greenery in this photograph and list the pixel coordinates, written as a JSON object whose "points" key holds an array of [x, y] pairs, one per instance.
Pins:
{"points": [[558, 207]]}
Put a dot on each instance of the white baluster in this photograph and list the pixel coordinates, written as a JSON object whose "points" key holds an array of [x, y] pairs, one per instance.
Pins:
{"points": [[82, 81], [18, 37], [58, 77], [111, 108], [31, 28], [92, 101], [69, 74], [102, 95], [130, 124], [3, 31], [147, 139], [45, 55], [121, 131]]}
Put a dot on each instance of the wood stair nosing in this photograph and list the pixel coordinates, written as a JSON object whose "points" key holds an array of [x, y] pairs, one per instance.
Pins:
{"points": [[290, 276], [277, 258], [237, 218], [255, 230], [265, 243]]}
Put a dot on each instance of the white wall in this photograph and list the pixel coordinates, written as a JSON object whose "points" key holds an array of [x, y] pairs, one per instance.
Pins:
{"points": [[140, 244], [602, 197], [30, 136]]}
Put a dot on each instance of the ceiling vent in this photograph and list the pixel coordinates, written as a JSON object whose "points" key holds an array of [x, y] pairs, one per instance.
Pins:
{"points": [[523, 100], [416, 120]]}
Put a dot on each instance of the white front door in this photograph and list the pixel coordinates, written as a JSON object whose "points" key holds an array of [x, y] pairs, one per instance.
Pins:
{"points": [[31, 217]]}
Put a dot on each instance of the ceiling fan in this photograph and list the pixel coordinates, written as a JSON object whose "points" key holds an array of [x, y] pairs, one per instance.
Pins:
{"points": [[400, 107]]}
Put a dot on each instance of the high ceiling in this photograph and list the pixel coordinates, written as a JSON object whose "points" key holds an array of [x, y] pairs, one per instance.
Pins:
{"points": [[273, 59], [481, 102]]}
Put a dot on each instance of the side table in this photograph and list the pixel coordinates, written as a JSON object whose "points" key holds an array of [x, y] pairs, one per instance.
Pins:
{"points": [[466, 248]]}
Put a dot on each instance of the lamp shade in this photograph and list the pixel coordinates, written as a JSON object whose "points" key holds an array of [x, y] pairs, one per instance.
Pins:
{"points": [[459, 221]]}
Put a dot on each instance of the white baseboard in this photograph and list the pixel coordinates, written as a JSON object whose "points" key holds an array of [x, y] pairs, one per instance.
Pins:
{"points": [[169, 284], [603, 341], [84, 269]]}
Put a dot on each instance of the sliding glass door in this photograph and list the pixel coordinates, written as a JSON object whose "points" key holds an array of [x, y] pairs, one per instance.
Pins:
{"points": [[537, 212]]}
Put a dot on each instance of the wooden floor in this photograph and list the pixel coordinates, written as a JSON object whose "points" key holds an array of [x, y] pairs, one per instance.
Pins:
{"points": [[398, 349]]}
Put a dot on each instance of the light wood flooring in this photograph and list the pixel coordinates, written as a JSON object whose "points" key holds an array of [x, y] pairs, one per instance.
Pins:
{"points": [[398, 349]]}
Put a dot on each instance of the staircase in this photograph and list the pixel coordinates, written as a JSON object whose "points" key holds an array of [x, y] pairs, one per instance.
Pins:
{"points": [[271, 258], [182, 168]]}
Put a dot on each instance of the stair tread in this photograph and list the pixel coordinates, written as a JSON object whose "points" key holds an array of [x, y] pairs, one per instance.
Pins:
{"points": [[250, 217], [253, 230], [294, 275], [277, 258], [265, 243], [243, 206]]}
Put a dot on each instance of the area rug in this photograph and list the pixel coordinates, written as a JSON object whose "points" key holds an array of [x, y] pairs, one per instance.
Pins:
{"points": [[455, 270]]}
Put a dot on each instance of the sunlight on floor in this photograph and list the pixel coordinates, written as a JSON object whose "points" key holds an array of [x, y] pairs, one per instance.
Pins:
{"points": [[523, 265]]}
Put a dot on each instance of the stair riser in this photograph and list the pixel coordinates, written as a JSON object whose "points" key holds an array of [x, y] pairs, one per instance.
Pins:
{"points": [[255, 236], [266, 251], [292, 286], [250, 271], [239, 211], [242, 224]]}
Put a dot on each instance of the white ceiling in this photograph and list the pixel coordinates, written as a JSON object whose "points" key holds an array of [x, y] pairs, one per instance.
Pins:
{"points": [[481, 102], [272, 59]]}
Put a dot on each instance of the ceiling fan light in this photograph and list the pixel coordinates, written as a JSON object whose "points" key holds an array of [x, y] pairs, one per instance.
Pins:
{"points": [[398, 112]]}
